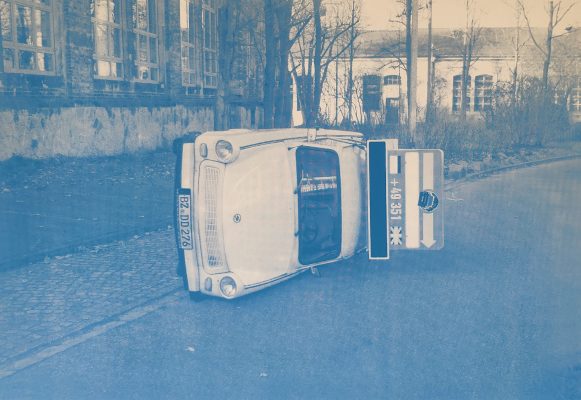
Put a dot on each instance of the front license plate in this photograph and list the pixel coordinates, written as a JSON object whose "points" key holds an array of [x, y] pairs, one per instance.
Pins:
{"points": [[184, 205]]}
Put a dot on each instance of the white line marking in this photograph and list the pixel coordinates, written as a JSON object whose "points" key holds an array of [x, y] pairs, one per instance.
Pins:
{"points": [[412, 211], [15, 366]]}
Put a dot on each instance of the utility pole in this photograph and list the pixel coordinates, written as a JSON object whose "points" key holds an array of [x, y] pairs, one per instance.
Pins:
{"points": [[314, 109], [430, 94], [412, 62], [350, 74], [467, 38], [1, 49], [516, 56], [270, 64], [336, 73]]}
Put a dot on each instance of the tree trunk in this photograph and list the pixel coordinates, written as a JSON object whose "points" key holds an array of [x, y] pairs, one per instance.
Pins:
{"points": [[516, 59], [549, 45], [1, 49], [408, 52], [464, 88], [547, 98], [412, 61], [222, 109], [314, 111], [466, 60], [283, 105], [270, 63], [350, 72], [430, 93], [466, 79]]}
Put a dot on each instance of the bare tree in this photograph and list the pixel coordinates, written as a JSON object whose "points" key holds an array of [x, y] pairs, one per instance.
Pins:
{"points": [[279, 20], [237, 40], [518, 44], [270, 63], [317, 60], [408, 19], [411, 65], [4, 24], [283, 103], [353, 34], [545, 115], [470, 43], [430, 89], [324, 39], [556, 12]]}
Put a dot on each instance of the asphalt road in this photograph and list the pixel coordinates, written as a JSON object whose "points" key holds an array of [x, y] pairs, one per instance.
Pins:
{"points": [[495, 315]]}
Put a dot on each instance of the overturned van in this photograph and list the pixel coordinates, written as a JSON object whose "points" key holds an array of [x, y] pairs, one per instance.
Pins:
{"points": [[254, 208]]}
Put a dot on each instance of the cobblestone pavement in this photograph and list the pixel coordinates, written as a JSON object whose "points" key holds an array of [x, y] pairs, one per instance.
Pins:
{"points": [[51, 207], [46, 301]]}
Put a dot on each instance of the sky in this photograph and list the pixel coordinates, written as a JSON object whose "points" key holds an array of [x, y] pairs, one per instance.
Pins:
{"points": [[451, 14]]}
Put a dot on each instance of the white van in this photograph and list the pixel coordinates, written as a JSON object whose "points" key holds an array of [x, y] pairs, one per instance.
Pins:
{"points": [[254, 208]]}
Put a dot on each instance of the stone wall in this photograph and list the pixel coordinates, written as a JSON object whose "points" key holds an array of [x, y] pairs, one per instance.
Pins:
{"points": [[96, 131], [71, 110]]}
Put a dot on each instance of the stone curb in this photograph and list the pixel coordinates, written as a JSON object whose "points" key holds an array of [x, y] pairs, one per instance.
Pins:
{"points": [[453, 183]]}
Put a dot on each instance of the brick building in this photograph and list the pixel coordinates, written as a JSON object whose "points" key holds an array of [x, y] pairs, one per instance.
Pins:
{"points": [[102, 77]]}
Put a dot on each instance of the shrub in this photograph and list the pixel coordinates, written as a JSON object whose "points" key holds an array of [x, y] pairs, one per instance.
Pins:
{"points": [[462, 140], [528, 115]]}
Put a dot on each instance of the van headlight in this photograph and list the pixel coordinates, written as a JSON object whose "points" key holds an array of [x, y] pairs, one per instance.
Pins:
{"points": [[225, 151], [228, 286]]}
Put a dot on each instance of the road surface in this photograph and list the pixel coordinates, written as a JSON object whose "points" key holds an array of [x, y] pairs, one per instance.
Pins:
{"points": [[495, 315]]}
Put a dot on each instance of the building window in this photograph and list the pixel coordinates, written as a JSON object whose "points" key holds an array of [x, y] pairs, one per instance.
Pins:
{"points": [[106, 17], [371, 93], [188, 35], [392, 80], [457, 93], [146, 40], [483, 93], [575, 101], [209, 27], [27, 36]]}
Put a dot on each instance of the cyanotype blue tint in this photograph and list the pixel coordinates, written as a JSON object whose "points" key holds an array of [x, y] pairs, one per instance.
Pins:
{"points": [[92, 96]]}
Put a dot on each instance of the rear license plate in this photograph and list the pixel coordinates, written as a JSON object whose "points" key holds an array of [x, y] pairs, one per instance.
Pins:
{"points": [[184, 205]]}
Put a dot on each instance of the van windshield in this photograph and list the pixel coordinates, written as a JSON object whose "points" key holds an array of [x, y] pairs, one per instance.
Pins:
{"points": [[319, 200]]}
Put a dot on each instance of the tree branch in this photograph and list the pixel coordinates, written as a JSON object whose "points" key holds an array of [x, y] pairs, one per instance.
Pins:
{"points": [[560, 18], [530, 30]]}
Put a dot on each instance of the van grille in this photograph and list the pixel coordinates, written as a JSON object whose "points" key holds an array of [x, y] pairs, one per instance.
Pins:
{"points": [[213, 242]]}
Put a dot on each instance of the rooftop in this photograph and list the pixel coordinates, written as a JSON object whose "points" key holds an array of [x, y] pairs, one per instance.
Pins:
{"points": [[493, 42]]}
